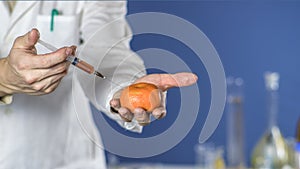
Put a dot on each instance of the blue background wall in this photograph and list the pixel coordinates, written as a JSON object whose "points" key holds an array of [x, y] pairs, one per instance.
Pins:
{"points": [[251, 38]]}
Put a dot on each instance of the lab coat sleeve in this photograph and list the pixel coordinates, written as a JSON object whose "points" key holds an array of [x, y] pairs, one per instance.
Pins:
{"points": [[6, 100], [106, 35]]}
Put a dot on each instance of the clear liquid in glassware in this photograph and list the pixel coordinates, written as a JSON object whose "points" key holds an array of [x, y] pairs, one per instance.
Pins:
{"points": [[271, 151]]}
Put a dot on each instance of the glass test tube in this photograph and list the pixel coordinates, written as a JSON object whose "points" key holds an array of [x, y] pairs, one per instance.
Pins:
{"points": [[235, 123]]}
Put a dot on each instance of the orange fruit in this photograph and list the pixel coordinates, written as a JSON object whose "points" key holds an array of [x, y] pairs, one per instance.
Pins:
{"points": [[141, 95]]}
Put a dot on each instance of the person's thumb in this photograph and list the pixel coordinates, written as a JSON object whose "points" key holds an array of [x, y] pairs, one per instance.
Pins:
{"points": [[28, 40]]}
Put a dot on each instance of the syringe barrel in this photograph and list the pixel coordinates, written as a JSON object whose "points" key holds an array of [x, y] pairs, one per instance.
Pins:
{"points": [[71, 59], [74, 60], [81, 64]]}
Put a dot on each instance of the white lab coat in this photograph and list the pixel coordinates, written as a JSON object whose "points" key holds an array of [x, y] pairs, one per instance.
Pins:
{"points": [[43, 132]]}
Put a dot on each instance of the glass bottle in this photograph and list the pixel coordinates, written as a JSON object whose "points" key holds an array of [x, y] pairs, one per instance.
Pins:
{"points": [[297, 148], [298, 131], [271, 152], [219, 162], [235, 123]]}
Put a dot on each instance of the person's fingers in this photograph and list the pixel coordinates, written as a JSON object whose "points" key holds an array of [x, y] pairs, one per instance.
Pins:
{"points": [[48, 90], [166, 81], [53, 80], [57, 69], [33, 50], [45, 84], [182, 79], [52, 87], [125, 114], [159, 112], [141, 116], [115, 104], [41, 74], [28, 40], [74, 48], [51, 59]]}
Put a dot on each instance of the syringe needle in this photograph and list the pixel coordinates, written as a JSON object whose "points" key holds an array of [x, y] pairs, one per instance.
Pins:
{"points": [[74, 61], [99, 74], [47, 45]]}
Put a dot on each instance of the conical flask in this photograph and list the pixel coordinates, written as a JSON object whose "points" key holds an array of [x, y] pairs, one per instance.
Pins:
{"points": [[271, 152]]}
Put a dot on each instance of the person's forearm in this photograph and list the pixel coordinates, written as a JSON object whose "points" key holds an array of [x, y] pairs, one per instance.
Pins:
{"points": [[4, 91]]}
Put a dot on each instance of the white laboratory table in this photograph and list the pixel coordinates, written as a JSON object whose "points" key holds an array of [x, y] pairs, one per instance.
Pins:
{"points": [[154, 166]]}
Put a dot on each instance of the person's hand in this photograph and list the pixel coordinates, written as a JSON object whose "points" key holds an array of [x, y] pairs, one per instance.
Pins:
{"points": [[23, 71], [163, 82]]}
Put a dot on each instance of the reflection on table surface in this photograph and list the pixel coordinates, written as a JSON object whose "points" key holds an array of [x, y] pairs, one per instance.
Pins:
{"points": [[157, 166], [154, 166]]}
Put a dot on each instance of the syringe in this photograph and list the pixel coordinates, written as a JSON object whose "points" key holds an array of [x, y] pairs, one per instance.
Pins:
{"points": [[75, 61]]}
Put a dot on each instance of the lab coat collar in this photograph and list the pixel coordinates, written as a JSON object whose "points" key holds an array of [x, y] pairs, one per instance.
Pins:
{"points": [[19, 11]]}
